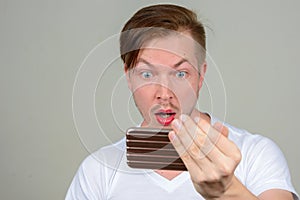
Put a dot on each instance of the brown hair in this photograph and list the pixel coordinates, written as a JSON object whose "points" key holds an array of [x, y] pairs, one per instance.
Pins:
{"points": [[153, 21]]}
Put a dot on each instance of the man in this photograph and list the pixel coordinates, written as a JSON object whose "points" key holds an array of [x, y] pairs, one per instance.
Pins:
{"points": [[163, 49]]}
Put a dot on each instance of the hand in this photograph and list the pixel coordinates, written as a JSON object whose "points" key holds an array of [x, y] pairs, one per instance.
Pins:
{"points": [[210, 157]]}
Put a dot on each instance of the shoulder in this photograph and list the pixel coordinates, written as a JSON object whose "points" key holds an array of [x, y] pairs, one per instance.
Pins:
{"points": [[249, 141], [263, 165], [106, 156], [95, 172]]}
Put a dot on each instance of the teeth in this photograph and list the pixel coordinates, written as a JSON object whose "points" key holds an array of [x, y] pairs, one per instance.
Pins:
{"points": [[165, 115]]}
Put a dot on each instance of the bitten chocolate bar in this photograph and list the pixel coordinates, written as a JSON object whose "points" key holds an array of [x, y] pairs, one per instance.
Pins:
{"points": [[150, 148]]}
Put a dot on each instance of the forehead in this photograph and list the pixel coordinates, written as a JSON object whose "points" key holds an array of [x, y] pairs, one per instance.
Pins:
{"points": [[158, 57], [170, 49]]}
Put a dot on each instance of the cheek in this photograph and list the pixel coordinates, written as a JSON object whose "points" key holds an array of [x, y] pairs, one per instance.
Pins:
{"points": [[187, 95], [142, 96]]}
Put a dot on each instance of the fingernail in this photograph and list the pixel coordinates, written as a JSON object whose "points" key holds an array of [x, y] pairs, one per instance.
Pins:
{"points": [[172, 136], [183, 117], [197, 120], [177, 124]]}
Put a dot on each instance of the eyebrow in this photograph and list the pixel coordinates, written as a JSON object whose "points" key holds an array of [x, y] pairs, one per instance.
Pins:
{"points": [[175, 65]]}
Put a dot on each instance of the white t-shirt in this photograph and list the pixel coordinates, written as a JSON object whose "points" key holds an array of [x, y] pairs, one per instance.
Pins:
{"points": [[105, 174]]}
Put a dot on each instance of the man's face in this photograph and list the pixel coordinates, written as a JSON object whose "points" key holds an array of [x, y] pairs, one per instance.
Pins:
{"points": [[166, 80]]}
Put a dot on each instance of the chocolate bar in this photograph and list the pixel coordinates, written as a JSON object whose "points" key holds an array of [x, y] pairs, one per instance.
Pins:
{"points": [[149, 148]]}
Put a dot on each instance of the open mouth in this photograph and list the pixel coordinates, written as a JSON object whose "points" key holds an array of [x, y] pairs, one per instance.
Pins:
{"points": [[165, 117]]}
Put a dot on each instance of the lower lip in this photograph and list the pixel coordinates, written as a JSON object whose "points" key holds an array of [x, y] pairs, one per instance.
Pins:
{"points": [[165, 121]]}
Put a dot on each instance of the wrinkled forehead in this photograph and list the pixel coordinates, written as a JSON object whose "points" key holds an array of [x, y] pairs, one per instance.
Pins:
{"points": [[181, 45]]}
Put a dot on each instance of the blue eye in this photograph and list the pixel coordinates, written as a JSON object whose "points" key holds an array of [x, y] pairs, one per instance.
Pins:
{"points": [[181, 74], [147, 74]]}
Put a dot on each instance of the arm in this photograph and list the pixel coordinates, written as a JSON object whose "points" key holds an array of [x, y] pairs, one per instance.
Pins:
{"points": [[211, 159], [239, 191], [276, 194]]}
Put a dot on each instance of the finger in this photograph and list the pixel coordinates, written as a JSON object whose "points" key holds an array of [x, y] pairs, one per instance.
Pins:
{"points": [[176, 143], [197, 135], [197, 147], [226, 150], [197, 171], [182, 151], [191, 128], [206, 127], [213, 162], [186, 139], [189, 134], [221, 128], [223, 143], [200, 167], [195, 142]]}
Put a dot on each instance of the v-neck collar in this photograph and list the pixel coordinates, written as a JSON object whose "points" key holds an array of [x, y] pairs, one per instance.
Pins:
{"points": [[166, 184]]}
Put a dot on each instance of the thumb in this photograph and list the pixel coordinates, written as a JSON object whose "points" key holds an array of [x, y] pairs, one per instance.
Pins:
{"points": [[221, 128]]}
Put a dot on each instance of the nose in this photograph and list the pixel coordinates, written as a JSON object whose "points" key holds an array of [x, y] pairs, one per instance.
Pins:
{"points": [[164, 93]]}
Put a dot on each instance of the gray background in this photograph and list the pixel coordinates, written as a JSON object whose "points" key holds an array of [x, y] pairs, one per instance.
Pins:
{"points": [[255, 45]]}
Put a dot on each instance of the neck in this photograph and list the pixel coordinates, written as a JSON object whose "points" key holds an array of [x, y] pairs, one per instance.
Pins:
{"points": [[203, 116], [168, 174]]}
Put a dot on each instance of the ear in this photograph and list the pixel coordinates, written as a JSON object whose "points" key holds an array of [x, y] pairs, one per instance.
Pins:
{"points": [[126, 70], [202, 73]]}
